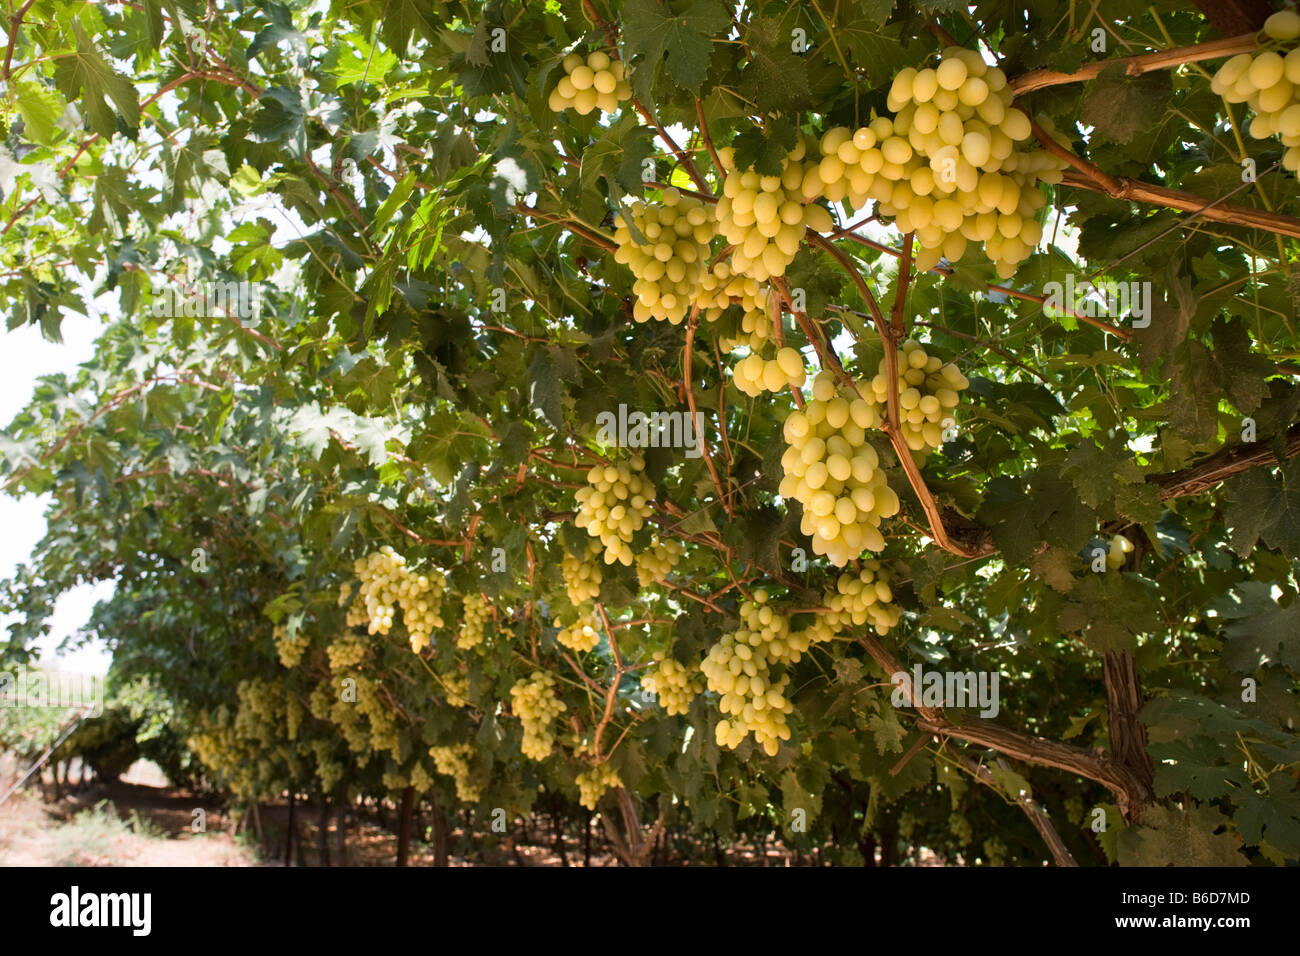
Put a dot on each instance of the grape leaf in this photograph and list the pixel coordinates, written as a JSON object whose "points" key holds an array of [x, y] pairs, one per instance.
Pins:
{"points": [[1261, 505], [1172, 837], [1118, 106], [775, 78], [680, 40], [86, 72], [1261, 631]]}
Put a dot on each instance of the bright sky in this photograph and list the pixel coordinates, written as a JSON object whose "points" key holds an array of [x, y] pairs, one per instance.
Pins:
{"points": [[24, 356]]}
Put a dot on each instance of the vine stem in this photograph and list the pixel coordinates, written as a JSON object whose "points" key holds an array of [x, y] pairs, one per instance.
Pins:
{"points": [[1136, 65]]}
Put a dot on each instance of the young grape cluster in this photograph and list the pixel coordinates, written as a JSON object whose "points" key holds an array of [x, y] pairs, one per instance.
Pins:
{"points": [[653, 564], [668, 266], [593, 783], [721, 286], [453, 761], [596, 82], [674, 684], [582, 578], [927, 394], [614, 506], [473, 628], [754, 375], [863, 598], [1270, 82], [582, 635], [421, 779], [833, 471], [764, 217], [534, 701], [290, 649]]}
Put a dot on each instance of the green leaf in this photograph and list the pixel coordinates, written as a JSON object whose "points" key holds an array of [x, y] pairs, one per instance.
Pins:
{"points": [[774, 78], [680, 41], [1172, 837], [1260, 631], [41, 108], [1267, 506], [1119, 106], [86, 72]]}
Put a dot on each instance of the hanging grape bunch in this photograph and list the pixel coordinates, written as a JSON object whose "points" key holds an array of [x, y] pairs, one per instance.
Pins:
{"points": [[614, 505], [533, 700], [669, 263], [595, 82], [833, 471], [582, 577], [927, 395], [1269, 82]]}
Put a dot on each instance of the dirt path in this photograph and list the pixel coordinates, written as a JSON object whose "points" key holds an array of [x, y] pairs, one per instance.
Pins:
{"points": [[122, 824]]}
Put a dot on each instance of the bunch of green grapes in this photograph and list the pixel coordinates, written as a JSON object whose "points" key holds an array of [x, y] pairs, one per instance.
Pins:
{"points": [[927, 394], [960, 828], [863, 598], [764, 217], [473, 628], [952, 165], [534, 701], [421, 779], [293, 714], [674, 684], [721, 286], [593, 783], [582, 578], [290, 649], [593, 83], [328, 770], [387, 583], [395, 781], [668, 266], [739, 668], [754, 375], [653, 564], [614, 506], [453, 761], [456, 688], [1270, 82], [321, 700], [833, 471], [755, 332], [345, 653], [582, 635]]}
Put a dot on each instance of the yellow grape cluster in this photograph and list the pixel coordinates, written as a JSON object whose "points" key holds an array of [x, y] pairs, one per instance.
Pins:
{"points": [[346, 653], [534, 701], [453, 761], [473, 628], [863, 598], [764, 217], [328, 770], [593, 783], [614, 506], [383, 723], [674, 684], [927, 394], [421, 779], [456, 689], [293, 714], [755, 332], [974, 181], [669, 266], [722, 286], [754, 375], [595, 82], [1270, 82], [387, 583], [661, 557], [582, 579], [582, 635], [290, 649], [833, 471], [738, 668]]}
